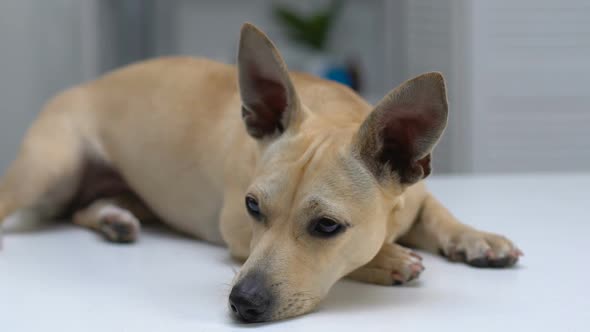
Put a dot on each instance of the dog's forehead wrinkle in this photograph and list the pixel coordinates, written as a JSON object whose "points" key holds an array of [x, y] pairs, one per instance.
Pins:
{"points": [[287, 160], [362, 179], [346, 179], [327, 191]]}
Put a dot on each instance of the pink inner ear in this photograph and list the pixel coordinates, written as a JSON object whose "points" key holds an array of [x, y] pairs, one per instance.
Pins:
{"points": [[269, 92], [426, 166], [407, 135], [264, 105]]}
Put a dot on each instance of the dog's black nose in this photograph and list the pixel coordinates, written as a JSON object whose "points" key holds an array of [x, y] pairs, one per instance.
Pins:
{"points": [[250, 300]]}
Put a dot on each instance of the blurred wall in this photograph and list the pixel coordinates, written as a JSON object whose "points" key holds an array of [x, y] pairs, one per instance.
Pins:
{"points": [[42, 49], [517, 70], [518, 75], [211, 29], [51, 45], [530, 92]]}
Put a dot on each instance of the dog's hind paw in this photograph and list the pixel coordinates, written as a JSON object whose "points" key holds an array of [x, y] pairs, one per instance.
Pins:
{"points": [[393, 265], [115, 223], [482, 249], [120, 227]]}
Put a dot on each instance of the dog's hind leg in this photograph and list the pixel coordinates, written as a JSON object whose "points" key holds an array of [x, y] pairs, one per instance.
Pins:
{"points": [[45, 173], [437, 230], [117, 218]]}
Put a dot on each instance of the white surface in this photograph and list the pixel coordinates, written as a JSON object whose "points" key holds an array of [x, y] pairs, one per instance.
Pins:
{"points": [[63, 278]]}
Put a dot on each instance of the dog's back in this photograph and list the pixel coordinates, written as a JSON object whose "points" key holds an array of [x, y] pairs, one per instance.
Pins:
{"points": [[164, 130]]}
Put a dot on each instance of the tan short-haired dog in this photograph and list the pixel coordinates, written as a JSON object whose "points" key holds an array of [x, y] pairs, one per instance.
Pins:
{"points": [[317, 184]]}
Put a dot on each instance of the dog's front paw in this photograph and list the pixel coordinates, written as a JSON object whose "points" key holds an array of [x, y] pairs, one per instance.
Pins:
{"points": [[393, 265], [482, 249]]}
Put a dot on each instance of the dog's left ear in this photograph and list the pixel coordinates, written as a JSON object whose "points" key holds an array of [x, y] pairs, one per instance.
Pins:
{"points": [[269, 101], [397, 138]]}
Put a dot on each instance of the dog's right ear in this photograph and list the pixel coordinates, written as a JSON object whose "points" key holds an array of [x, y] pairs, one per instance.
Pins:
{"points": [[269, 101], [397, 138]]}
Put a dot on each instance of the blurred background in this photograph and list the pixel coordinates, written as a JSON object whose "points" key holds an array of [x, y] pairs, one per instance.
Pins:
{"points": [[518, 71]]}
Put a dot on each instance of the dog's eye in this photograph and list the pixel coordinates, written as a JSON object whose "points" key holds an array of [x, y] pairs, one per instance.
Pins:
{"points": [[253, 207], [325, 227]]}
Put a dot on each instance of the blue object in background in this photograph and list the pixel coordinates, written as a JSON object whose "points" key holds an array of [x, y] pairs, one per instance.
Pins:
{"points": [[339, 74]]}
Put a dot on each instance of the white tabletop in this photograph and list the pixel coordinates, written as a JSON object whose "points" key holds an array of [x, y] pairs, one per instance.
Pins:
{"points": [[64, 278]]}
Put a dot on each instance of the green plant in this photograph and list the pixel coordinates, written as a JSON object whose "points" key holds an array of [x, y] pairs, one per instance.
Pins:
{"points": [[311, 30]]}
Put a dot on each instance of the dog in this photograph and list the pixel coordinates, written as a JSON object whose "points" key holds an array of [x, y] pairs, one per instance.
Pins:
{"points": [[309, 185]]}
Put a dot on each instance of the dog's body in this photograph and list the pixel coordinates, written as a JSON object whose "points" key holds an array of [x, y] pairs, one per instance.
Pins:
{"points": [[164, 138]]}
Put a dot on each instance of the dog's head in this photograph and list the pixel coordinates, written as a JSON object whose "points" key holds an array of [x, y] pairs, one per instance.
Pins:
{"points": [[327, 183]]}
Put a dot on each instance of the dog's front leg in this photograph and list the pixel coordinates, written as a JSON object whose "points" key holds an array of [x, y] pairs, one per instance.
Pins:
{"points": [[393, 265], [437, 230]]}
